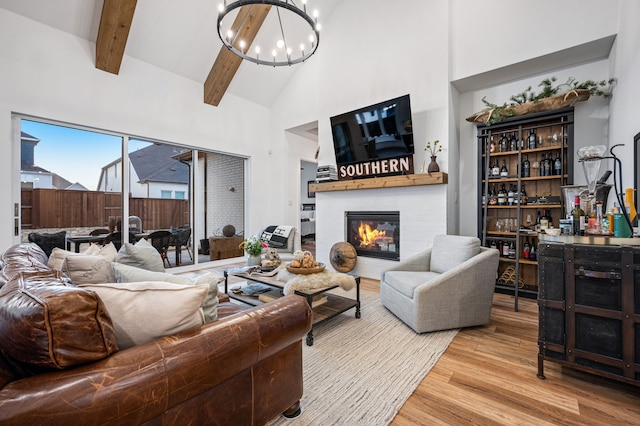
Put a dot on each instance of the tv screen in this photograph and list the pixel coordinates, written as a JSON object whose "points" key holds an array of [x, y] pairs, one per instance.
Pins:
{"points": [[377, 132]]}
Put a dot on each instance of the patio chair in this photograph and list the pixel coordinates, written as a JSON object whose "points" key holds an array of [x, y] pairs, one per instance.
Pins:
{"points": [[99, 231], [180, 237], [161, 240], [116, 239]]}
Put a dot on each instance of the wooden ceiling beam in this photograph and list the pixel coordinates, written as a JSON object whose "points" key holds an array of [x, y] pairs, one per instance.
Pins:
{"points": [[246, 26], [115, 23]]}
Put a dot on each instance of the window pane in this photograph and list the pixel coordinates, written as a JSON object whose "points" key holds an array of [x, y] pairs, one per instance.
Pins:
{"points": [[180, 195], [63, 175], [165, 194]]}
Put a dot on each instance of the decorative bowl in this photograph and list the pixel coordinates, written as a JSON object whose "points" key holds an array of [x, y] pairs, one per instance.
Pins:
{"points": [[306, 271], [552, 231]]}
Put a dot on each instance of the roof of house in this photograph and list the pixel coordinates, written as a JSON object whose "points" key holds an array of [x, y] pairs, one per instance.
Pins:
{"points": [[155, 163]]}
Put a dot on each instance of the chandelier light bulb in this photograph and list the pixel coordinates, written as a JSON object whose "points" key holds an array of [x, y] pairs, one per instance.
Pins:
{"points": [[289, 50], [221, 8], [274, 53], [318, 26], [257, 50], [229, 35], [242, 45], [280, 44], [302, 47], [315, 13], [312, 38]]}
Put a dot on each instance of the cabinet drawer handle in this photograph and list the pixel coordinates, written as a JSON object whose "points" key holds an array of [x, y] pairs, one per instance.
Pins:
{"points": [[599, 274]]}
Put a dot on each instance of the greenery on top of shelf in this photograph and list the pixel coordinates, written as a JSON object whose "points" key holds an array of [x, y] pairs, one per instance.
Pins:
{"points": [[603, 88]]}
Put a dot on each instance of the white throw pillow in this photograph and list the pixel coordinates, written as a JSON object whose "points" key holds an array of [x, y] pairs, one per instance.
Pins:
{"points": [[141, 255], [58, 255], [89, 268], [128, 274], [145, 311]]}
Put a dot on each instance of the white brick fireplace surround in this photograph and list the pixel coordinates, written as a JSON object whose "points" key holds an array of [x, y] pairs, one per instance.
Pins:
{"points": [[423, 214]]}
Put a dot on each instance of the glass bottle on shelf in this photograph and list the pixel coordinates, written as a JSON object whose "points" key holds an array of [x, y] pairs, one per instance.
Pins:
{"points": [[548, 165], [523, 195], [545, 220], [510, 195], [502, 196], [532, 251], [504, 143], [532, 139], [493, 197], [492, 146], [513, 142], [598, 224], [526, 167], [505, 249], [512, 250], [526, 249], [557, 165], [503, 170], [538, 219], [495, 170]]}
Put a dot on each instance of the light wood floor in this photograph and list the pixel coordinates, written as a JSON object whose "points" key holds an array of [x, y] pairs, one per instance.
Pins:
{"points": [[487, 376]]}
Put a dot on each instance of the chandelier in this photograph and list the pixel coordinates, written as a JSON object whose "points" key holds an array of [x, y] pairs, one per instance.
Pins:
{"points": [[287, 36]]}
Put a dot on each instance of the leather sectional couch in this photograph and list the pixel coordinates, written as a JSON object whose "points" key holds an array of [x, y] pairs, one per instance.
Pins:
{"points": [[60, 363]]}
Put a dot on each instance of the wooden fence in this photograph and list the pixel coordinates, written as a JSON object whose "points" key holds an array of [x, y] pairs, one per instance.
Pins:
{"points": [[57, 208]]}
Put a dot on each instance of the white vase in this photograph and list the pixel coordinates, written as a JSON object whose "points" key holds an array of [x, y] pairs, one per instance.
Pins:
{"points": [[253, 260]]}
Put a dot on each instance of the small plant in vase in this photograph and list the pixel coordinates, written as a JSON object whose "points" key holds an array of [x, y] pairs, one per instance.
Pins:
{"points": [[253, 246], [432, 149]]}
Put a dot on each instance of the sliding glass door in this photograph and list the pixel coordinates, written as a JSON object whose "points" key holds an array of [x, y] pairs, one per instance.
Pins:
{"points": [[74, 178]]}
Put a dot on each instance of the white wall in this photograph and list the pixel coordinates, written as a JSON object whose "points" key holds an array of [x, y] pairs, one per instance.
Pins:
{"points": [[625, 105], [50, 74], [491, 34]]}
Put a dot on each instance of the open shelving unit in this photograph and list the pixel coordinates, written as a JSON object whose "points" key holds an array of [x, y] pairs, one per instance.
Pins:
{"points": [[554, 132]]}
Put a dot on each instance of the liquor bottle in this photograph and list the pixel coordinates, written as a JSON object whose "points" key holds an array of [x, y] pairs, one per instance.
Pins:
{"points": [[510, 195], [503, 170], [513, 142], [495, 171], [526, 249], [504, 143], [557, 165], [493, 197], [523, 195], [512, 250], [502, 196], [545, 220], [531, 139], [492, 146], [538, 220], [493, 244], [532, 251], [505, 249], [548, 165], [526, 167], [578, 217]]}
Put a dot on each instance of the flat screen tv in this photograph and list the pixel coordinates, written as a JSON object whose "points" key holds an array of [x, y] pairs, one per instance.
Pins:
{"points": [[378, 132]]}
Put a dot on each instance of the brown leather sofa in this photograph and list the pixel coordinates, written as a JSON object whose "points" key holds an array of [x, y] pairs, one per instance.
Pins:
{"points": [[243, 369]]}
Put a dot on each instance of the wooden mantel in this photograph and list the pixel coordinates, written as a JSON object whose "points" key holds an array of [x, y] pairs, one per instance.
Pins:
{"points": [[381, 182]]}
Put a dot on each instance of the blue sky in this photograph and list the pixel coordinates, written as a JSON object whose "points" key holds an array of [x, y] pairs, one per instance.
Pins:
{"points": [[76, 155]]}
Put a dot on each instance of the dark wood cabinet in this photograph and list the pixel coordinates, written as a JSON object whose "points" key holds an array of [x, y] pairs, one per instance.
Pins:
{"points": [[589, 306], [515, 222]]}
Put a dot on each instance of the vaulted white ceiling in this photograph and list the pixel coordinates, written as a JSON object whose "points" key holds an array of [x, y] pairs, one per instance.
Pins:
{"points": [[178, 36]]}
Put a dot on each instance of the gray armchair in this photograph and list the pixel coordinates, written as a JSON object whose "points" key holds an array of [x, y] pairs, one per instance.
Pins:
{"points": [[450, 285]]}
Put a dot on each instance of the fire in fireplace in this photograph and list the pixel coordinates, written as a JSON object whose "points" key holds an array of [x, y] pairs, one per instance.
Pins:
{"points": [[374, 234]]}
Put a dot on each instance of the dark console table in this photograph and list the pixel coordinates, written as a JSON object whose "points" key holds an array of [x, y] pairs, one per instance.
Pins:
{"points": [[589, 305]]}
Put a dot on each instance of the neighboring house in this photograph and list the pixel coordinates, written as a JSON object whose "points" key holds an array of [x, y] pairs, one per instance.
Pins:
{"points": [[32, 176], [154, 173]]}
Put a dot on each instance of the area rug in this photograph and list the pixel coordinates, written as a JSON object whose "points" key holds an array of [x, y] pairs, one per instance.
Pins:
{"points": [[361, 371]]}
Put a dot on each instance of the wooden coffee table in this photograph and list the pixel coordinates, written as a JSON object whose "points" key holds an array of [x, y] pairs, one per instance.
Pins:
{"points": [[334, 306]]}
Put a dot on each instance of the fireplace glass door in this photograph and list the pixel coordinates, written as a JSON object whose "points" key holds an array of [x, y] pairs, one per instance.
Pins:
{"points": [[374, 234]]}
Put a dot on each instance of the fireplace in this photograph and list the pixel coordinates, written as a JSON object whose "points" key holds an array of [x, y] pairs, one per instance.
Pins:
{"points": [[374, 234]]}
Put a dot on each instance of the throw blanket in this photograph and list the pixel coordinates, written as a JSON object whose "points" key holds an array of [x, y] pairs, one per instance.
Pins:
{"points": [[317, 281], [276, 236]]}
